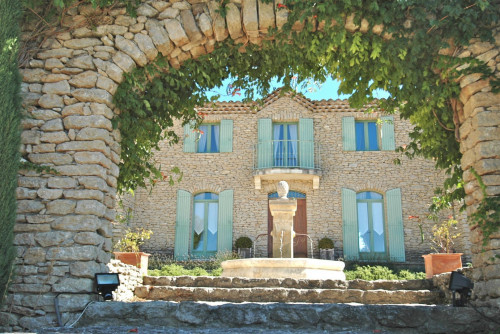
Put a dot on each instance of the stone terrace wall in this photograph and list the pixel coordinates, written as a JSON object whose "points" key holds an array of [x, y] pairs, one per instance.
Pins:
{"points": [[130, 278]]}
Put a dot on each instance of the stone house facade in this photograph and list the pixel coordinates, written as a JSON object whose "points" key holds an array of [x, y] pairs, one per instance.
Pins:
{"points": [[337, 160]]}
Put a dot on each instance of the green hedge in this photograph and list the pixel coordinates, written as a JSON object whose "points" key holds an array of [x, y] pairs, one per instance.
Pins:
{"points": [[10, 139]]}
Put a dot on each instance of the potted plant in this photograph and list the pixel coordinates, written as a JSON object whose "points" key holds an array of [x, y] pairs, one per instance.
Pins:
{"points": [[244, 247], [128, 249], [326, 250], [442, 240]]}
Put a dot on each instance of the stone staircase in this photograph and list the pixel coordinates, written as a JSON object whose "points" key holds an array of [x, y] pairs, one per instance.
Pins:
{"points": [[287, 290]]}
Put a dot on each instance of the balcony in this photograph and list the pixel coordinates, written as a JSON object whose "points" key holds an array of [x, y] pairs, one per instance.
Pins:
{"points": [[287, 160]]}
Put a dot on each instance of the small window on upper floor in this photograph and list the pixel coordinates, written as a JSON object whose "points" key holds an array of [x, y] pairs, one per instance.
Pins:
{"points": [[367, 136], [208, 138]]}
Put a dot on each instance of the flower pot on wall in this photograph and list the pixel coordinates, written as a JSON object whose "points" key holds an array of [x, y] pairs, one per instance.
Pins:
{"points": [[138, 259], [441, 263], [326, 254]]}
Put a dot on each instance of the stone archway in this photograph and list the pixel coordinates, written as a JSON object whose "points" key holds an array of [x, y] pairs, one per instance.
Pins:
{"points": [[63, 232]]}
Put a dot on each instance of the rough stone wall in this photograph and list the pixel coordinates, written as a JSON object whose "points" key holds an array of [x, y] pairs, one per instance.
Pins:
{"points": [[130, 278], [370, 171], [480, 145]]}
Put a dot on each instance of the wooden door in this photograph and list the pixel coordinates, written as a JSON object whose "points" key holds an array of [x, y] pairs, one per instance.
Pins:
{"points": [[299, 226]]}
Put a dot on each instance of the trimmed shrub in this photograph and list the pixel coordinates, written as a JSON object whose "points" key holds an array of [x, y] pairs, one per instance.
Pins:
{"points": [[10, 136], [243, 242], [325, 243], [374, 273]]}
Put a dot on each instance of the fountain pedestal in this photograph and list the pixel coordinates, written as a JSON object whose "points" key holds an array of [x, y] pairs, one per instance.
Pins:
{"points": [[283, 211]]}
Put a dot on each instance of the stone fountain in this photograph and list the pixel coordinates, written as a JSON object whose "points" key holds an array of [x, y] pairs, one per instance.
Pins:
{"points": [[282, 264]]}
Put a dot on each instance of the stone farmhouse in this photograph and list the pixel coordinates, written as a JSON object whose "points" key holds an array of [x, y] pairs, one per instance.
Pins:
{"points": [[337, 160]]}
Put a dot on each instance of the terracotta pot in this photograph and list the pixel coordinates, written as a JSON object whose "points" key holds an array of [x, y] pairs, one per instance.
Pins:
{"points": [[138, 259], [441, 263]]}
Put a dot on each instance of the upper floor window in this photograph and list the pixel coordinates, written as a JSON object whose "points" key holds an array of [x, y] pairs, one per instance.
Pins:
{"points": [[367, 136], [285, 144], [208, 138]]}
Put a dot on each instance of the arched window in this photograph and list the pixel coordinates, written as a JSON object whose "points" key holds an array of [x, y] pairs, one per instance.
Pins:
{"points": [[291, 194], [371, 226], [204, 232]]}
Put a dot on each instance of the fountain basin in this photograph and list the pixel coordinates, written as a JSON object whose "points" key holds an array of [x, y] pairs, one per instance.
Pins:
{"points": [[298, 268]]}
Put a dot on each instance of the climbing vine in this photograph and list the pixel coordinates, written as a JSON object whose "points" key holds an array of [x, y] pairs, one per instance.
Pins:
{"points": [[366, 44]]}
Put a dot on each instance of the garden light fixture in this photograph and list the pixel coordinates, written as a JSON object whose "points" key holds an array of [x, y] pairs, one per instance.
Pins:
{"points": [[106, 284]]}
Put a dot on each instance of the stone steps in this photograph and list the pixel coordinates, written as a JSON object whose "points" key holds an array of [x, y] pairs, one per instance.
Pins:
{"points": [[239, 290], [207, 318]]}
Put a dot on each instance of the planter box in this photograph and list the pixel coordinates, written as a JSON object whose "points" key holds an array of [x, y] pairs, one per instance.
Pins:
{"points": [[140, 260], [326, 254], [245, 253], [441, 263]]}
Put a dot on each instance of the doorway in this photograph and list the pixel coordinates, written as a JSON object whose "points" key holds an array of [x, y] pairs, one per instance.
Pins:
{"points": [[299, 225]]}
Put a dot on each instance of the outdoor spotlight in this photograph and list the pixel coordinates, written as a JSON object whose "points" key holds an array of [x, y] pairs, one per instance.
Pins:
{"points": [[106, 284], [461, 284]]}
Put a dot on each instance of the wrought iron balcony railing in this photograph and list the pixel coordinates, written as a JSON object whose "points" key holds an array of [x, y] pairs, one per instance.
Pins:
{"points": [[300, 154]]}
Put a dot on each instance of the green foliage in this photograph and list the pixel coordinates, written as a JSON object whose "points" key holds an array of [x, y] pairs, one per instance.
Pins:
{"points": [[243, 242], [10, 138], [443, 235], [193, 267], [373, 273], [325, 243], [132, 240]]}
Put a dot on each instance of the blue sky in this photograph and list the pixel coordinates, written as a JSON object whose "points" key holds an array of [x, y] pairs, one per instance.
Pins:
{"points": [[313, 91]]}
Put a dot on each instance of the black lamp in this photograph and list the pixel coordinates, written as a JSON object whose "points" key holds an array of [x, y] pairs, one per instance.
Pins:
{"points": [[106, 284], [461, 284]]}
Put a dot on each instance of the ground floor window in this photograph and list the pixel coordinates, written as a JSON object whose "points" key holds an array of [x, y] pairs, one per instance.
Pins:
{"points": [[204, 224], [204, 234], [372, 225]]}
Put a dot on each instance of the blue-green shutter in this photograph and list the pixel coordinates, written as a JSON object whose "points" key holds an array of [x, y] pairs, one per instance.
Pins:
{"points": [[387, 133], [225, 224], [350, 224], [226, 135], [306, 143], [265, 146], [182, 223], [349, 133], [395, 225], [189, 138]]}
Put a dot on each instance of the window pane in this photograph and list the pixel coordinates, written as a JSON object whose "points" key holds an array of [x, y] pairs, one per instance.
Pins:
{"points": [[198, 226], [278, 144], [368, 195], [292, 145], [372, 136], [360, 136], [214, 145], [378, 228], [213, 209], [363, 230], [206, 196], [202, 142]]}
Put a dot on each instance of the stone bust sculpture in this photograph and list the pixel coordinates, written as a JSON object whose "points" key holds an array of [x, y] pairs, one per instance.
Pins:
{"points": [[282, 189]]}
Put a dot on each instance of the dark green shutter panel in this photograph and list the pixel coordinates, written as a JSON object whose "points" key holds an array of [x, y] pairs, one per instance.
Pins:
{"points": [[387, 133], [349, 133], [226, 135], [350, 224], [189, 138], [395, 225], [306, 143], [265, 146], [225, 223], [182, 223]]}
